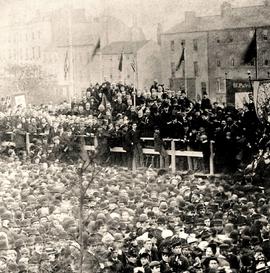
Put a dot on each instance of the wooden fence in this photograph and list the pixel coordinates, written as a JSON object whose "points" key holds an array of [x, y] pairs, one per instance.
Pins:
{"points": [[172, 152]]}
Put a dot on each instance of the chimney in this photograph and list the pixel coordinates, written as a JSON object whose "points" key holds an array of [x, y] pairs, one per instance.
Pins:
{"points": [[190, 17], [159, 32], [226, 9]]}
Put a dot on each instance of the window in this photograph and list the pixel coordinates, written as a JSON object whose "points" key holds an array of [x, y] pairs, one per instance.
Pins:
{"points": [[218, 40], [173, 69], [230, 38], [38, 52], [218, 85], [26, 54], [33, 53], [172, 45], [128, 76], [203, 87], [195, 45], [218, 63], [232, 61], [111, 76], [266, 62], [265, 34], [196, 69]]}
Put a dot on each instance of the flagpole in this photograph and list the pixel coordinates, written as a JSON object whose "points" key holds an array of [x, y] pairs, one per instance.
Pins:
{"points": [[134, 80], [134, 89], [184, 72], [101, 69], [256, 57], [71, 94], [136, 71]]}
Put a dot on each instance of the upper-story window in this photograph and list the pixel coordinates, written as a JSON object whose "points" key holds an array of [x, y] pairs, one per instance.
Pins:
{"points": [[172, 46]]}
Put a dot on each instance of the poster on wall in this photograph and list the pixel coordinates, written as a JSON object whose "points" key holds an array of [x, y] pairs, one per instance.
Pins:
{"points": [[20, 100]]}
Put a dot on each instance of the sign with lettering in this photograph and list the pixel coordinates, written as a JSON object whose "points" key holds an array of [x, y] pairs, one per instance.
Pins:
{"points": [[238, 92]]}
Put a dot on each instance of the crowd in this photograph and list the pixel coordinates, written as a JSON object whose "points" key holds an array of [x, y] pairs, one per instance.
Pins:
{"points": [[144, 222], [132, 222], [119, 116]]}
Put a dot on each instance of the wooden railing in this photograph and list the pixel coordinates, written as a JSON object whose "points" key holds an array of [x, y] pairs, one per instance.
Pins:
{"points": [[172, 152]]}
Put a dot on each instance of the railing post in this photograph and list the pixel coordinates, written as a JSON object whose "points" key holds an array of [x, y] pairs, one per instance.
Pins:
{"points": [[133, 163], [95, 141], [161, 162], [189, 160], [211, 159], [27, 143], [173, 164]]}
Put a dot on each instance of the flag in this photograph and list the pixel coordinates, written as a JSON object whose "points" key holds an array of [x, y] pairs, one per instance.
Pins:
{"points": [[97, 47], [261, 96], [133, 65], [120, 66], [182, 58], [66, 65], [251, 51]]}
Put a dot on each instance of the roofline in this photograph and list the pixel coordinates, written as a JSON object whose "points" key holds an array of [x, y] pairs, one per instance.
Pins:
{"points": [[124, 53], [207, 31], [57, 46], [133, 52], [217, 15]]}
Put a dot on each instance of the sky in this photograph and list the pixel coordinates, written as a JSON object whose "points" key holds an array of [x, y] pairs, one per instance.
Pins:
{"points": [[148, 12]]}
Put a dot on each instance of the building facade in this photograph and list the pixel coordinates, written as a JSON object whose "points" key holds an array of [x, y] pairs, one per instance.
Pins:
{"points": [[145, 55], [214, 50], [60, 43]]}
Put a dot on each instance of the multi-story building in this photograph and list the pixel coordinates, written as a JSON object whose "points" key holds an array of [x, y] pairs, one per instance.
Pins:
{"points": [[61, 43], [214, 49], [145, 55]]}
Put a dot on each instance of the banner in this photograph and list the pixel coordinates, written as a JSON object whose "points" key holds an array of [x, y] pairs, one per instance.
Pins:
{"points": [[262, 99], [238, 92]]}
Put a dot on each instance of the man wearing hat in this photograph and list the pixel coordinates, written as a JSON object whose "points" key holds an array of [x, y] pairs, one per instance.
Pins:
{"points": [[178, 261], [131, 255], [205, 102], [184, 103], [155, 267], [145, 260], [165, 259]]}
